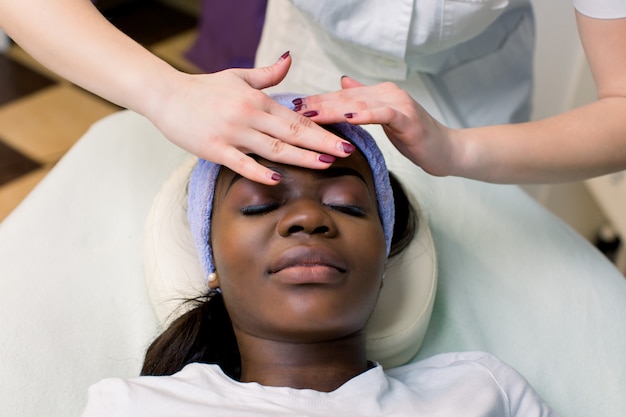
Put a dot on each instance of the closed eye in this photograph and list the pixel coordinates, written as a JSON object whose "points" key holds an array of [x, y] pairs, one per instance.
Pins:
{"points": [[348, 209], [260, 209]]}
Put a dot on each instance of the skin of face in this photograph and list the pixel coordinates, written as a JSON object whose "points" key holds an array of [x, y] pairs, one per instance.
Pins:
{"points": [[301, 261]]}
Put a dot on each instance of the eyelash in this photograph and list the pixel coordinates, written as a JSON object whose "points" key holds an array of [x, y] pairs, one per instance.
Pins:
{"points": [[267, 208], [349, 210], [259, 210]]}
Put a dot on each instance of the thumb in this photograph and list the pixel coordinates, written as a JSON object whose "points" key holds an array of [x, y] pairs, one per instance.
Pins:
{"points": [[269, 76], [349, 82]]}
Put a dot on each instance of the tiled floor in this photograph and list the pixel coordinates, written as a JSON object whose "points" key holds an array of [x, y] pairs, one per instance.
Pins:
{"points": [[42, 116]]}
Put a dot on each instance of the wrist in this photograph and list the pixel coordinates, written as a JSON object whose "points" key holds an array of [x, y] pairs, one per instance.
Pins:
{"points": [[151, 95], [464, 153]]}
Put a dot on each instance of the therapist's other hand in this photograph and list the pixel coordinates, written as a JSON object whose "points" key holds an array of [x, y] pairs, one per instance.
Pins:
{"points": [[223, 117], [416, 134]]}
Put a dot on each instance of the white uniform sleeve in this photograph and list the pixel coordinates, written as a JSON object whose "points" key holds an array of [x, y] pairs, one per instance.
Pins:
{"points": [[522, 398], [601, 9], [107, 398]]}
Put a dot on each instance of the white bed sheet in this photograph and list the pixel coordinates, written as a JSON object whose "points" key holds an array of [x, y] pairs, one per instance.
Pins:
{"points": [[513, 280]]}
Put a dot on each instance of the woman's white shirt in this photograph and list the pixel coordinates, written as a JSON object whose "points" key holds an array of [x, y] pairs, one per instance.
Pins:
{"points": [[393, 27], [452, 384], [473, 58]]}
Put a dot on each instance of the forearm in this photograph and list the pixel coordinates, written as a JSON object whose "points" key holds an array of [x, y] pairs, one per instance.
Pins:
{"points": [[73, 39], [222, 117], [582, 143]]}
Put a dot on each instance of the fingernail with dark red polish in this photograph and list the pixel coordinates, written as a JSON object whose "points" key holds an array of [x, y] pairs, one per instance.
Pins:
{"points": [[298, 107], [310, 113], [283, 56], [347, 147], [276, 176], [297, 101], [327, 159], [349, 115]]}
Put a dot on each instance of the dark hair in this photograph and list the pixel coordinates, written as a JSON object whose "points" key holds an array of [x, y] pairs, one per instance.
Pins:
{"points": [[205, 334]]}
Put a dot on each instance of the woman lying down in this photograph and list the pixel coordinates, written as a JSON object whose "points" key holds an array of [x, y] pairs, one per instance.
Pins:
{"points": [[294, 272]]}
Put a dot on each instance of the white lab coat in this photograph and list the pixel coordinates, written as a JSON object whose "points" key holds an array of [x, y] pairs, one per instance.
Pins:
{"points": [[469, 63]]}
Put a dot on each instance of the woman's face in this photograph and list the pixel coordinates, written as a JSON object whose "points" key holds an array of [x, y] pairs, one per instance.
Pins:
{"points": [[302, 260]]}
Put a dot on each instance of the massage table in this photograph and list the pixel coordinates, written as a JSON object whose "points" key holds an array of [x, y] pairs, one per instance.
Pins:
{"points": [[512, 280]]}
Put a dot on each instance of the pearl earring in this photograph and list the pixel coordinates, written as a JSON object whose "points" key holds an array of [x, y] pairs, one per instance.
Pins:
{"points": [[212, 277]]}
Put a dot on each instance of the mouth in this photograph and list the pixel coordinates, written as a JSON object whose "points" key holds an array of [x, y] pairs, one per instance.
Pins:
{"points": [[308, 265]]}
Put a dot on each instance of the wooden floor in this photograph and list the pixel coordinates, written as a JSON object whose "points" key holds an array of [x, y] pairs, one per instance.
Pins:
{"points": [[42, 116]]}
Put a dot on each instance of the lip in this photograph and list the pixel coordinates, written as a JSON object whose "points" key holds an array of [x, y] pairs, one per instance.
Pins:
{"points": [[308, 265]]}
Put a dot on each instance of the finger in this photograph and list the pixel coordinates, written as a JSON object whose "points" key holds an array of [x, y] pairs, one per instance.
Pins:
{"points": [[237, 156], [332, 107], [247, 167], [326, 108], [379, 115], [317, 101], [294, 129], [285, 153], [269, 76], [349, 82], [349, 93]]}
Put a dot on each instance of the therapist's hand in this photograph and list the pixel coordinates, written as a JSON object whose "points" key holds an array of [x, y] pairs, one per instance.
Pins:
{"points": [[222, 117], [410, 128]]}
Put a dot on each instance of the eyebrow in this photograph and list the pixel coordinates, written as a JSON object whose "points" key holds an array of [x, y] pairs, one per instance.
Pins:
{"points": [[331, 172]]}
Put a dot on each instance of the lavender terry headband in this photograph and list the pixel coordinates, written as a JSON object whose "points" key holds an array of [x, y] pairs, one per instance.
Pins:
{"points": [[204, 176]]}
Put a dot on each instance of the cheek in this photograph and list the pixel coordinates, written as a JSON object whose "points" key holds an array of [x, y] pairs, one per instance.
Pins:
{"points": [[237, 247], [228, 245], [369, 243]]}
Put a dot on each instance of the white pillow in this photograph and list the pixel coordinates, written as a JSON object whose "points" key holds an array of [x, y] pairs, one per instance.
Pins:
{"points": [[174, 274]]}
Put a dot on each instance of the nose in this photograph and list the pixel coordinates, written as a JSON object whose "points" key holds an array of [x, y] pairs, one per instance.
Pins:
{"points": [[308, 217]]}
